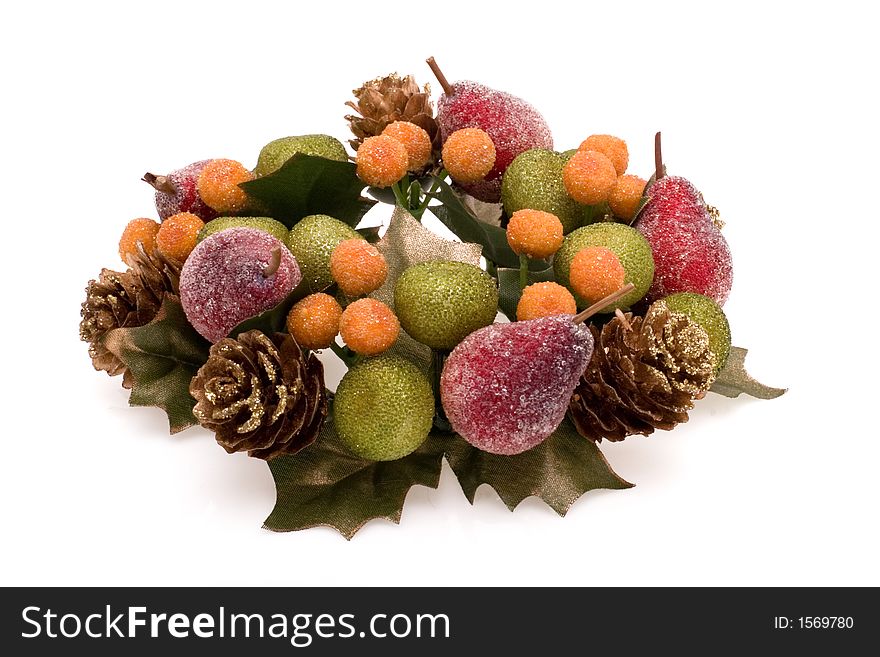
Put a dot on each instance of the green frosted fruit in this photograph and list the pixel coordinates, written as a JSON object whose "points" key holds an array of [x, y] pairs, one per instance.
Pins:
{"points": [[533, 181], [275, 228], [708, 314], [440, 302], [628, 244], [312, 241], [277, 152], [383, 408]]}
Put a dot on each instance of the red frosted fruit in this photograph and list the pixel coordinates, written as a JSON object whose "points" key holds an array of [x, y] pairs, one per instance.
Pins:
{"points": [[506, 387], [513, 124], [229, 278], [176, 192], [690, 253]]}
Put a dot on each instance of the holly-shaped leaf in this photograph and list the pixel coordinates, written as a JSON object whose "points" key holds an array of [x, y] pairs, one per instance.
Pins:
{"points": [[559, 470], [325, 484], [733, 380], [510, 292], [457, 217], [306, 185], [162, 358]]}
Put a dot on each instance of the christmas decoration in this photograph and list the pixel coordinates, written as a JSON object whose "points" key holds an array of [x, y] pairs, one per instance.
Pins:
{"points": [[248, 279]]}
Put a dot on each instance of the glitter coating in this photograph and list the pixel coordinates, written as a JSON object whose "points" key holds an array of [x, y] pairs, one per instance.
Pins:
{"points": [[177, 235], [274, 154], [312, 241], [358, 267], [141, 230], [222, 282], [614, 148], [588, 177], [507, 387], [384, 408], [690, 253], [218, 185], [534, 182], [369, 327], [440, 302], [275, 228], [513, 125], [415, 139], [535, 233], [314, 321], [628, 245], [595, 273], [381, 161], [708, 314], [185, 197], [545, 300], [625, 196], [468, 155]]}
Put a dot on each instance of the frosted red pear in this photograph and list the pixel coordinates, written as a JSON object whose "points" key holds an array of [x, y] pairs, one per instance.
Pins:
{"points": [[506, 387]]}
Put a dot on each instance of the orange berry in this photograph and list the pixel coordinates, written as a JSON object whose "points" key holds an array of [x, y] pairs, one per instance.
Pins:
{"points": [[534, 233], [626, 196], [381, 161], [613, 148], [468, 155], [414, 138], [138, 230], [544, 300], [314, 321], [178, 235], [369, 327], [357, 267], [218, 186], [588, 177], [595, 273]]}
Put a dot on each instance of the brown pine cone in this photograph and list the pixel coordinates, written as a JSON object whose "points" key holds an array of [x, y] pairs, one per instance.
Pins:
{"points": [[260, 394], [642, 377], [389, 99], [125, 300]]}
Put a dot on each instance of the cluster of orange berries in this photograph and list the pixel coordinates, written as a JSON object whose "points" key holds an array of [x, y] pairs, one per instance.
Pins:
{"points": [[177, 236], [468, 154], [596, 174], [367, 326]]}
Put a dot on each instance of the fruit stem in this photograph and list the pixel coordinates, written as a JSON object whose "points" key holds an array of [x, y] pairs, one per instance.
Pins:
{"points": [[274, 263], [159, 183], [345, 354], [659, 170], [584, 315], [523, 271], [447, 88]]}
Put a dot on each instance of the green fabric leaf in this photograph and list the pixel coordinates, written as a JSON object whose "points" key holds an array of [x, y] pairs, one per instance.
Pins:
{"points": [[162, 356], [559, 470], [327, 485], [733, 380], [509, 291], [458, 218], [370, 233], [306, 185]]}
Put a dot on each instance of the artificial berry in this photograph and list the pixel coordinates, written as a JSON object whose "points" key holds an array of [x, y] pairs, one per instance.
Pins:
{"points": [[178, 235], [534, 233], [588, 177], [381, 161], [218, 186], [314, 321], [357, 267], [468, 155], [611, 147], [544, 300], [369, 327], [595, 273], [138, 230], [415, 139]]}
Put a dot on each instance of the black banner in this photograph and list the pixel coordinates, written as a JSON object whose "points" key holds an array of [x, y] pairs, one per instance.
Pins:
{"points": [[394, 621]]}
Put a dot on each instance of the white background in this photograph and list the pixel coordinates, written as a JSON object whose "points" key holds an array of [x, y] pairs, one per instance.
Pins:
{"points": [[768, 107]]}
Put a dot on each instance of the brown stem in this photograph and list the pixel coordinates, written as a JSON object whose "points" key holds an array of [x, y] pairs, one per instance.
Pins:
{"points": [[159, 183], [659, 169], [584, 315], [274, 263], [447, 88]]}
